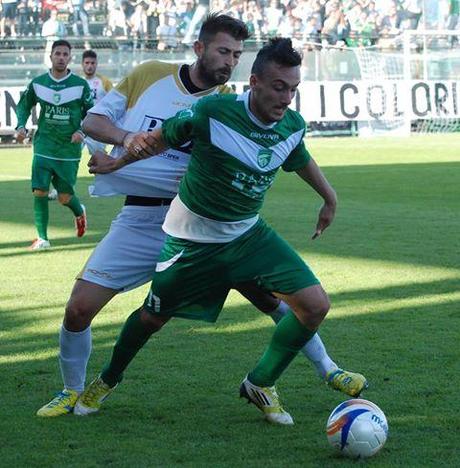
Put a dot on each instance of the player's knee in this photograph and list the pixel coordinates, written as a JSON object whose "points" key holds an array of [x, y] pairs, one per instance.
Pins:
{"points": [[322, 308], [153, 323], [314, 312], [64, 198], [78, 315]]}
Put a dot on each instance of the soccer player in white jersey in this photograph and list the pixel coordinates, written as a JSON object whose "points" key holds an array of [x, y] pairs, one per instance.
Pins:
{"points": [[100, 85], [126, 257]]}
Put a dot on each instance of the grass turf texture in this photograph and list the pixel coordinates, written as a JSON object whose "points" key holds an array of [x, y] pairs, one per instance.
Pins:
{"points": [[389, 262]]}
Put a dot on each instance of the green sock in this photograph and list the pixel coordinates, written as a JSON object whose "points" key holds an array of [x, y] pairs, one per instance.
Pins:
{"points": [[41, 214], [289, 337], [132, 337], [75, 205]]}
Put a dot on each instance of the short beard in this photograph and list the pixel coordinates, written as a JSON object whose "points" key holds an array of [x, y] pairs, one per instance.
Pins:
{"points": [[210, 79]]}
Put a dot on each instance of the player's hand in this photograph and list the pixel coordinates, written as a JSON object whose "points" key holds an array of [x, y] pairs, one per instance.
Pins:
{"points": [[155, 142], [77, 137], [101, 163], [136, 145], [21, 135], [325, 217]]}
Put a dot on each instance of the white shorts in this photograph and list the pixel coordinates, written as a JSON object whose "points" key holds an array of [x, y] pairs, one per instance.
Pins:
{"points": [[126, 257]]}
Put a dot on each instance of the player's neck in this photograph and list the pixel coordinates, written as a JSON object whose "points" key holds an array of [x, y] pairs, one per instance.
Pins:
{"points": [[254, 110], [58, 75], [90, 77]]}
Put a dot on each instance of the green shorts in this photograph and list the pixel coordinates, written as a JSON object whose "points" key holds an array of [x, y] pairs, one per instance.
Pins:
{"points": [[192, 280], [62, 174]]}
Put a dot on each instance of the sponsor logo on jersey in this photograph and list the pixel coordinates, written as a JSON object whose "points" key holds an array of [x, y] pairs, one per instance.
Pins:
{"points": [[264, 157], [264, 136], [181, 104]]}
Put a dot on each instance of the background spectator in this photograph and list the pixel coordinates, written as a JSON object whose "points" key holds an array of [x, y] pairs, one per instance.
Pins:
{"points": [[78, 16], [166, 33], [8, 17], [272, 17], [53, 28], [328, 22], [412, 12]]}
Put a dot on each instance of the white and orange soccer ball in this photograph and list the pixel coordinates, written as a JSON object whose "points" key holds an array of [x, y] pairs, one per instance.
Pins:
{"points": [[357, 428]]}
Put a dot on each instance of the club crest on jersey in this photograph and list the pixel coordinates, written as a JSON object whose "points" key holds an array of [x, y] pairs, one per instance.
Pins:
{"points": [[56, 98], [185, 114], [264, 157]]}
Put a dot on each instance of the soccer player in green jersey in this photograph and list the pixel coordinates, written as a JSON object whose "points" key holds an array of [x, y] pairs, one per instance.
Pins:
{"points": [[216, 238], [64, 99]]}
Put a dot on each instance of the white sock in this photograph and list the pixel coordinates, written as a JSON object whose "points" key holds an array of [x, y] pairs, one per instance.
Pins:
{"points": [[314, 349], [75, 350]]}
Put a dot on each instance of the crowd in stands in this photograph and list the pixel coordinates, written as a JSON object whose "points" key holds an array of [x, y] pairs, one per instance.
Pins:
{"points": [[171, 22]]}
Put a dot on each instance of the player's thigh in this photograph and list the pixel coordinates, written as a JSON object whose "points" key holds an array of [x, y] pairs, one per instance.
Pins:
{"points": [[267, 259], [65, 176], [42, 173], [126, 257], [190, 281]]}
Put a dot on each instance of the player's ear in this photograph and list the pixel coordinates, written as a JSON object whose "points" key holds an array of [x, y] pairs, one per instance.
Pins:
{"points": [[198, 47], [253, 81]]}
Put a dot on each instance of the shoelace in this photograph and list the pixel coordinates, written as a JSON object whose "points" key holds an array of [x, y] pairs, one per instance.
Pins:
{"points": [[58, 398], [94, 391]]}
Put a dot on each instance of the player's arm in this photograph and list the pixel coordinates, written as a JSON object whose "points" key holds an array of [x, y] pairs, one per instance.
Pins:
{"points": [[175, 132], [102, 163], [180, 129], [314, 177], [101, 128], [27, 101]]}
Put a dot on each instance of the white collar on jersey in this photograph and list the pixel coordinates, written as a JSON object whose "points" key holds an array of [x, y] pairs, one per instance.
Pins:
{"points": [[60, 79], [245, 98]]}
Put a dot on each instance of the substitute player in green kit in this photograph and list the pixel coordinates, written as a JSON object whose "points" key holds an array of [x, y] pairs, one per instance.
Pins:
{"points": [[64, 99], [216, 238]]}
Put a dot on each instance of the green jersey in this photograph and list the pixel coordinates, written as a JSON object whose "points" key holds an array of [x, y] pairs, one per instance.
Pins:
{"points": [[63, 105], [234, 161]]}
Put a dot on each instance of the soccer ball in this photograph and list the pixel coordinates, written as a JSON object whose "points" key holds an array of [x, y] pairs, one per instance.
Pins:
{"points": [[357, 428]]}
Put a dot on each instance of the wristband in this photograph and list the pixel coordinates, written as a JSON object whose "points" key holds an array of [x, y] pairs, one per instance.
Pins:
{"points": [[124, 138]]}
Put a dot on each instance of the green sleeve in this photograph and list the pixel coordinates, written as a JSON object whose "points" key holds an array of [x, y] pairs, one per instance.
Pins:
{"points": [[298, 158], [180, 129], [86, 104], [25, 104], [87, 100]]}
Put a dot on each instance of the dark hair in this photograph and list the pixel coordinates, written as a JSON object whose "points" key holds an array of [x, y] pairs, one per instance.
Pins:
{"points": [[216, 23], [61, 42], [278, 50], [88, 54]]}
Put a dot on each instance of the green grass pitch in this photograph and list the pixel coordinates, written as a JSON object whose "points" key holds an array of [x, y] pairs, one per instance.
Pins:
{"points": [[390, 264]]}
